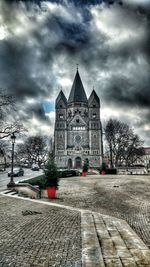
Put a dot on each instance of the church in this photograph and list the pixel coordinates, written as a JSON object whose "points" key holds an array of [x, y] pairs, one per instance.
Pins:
{"points": [[78, 129]]}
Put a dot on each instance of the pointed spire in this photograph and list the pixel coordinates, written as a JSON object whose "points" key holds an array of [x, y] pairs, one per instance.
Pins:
{"points": [[93, 97], [77, 93], [60, 97]]}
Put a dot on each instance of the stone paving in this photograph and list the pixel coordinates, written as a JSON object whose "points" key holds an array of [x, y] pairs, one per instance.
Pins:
{"points": [[110, 242], [49, 234], [126, 197], [38, 235]]}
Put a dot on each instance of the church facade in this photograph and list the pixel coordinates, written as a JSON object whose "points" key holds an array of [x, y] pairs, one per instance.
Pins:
{"points": [[78, 130]]}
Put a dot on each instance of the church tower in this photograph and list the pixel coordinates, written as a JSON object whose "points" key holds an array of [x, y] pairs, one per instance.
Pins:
{"points": [[78, 131]]}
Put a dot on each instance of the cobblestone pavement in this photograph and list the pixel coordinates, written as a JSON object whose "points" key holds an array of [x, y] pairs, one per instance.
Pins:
{"points": [[126, 197], [38, 235]]}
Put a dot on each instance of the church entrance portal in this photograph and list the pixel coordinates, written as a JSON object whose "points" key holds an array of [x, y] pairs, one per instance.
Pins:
{"points": [[78, 163], [69, 163]]}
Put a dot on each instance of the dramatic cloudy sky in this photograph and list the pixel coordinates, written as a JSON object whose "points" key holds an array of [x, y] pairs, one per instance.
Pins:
{"points": [[42, 41]]}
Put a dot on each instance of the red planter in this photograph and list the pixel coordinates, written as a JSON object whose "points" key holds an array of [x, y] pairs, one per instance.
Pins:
{"points": [[103, 173], [51, 192], [84, 173]]}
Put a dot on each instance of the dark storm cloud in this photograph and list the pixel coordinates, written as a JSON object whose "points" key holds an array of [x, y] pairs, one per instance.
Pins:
{"points": [[21, 57], [110, 42], [129, 92], [34, 109], [76, 2], [71, 36], [24, 59], [15, 70]]}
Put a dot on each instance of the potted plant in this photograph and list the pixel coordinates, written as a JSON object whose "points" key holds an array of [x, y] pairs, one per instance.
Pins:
{"points": [[51, 177], [85, 169], [103, 168]]}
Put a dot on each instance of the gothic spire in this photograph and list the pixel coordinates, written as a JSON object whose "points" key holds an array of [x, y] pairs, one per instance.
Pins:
{"points": [[60, 97], [77, 93], [94, 98]]}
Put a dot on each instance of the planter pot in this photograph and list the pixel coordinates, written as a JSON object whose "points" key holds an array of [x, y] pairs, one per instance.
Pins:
{"points": [[51, 192], [84, 173]]}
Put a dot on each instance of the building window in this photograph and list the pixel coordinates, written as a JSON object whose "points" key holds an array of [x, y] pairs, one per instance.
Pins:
{"points": [[78, 138], [94, 115], [77, 120], [95, 152], [60, 116], [80, 128]]}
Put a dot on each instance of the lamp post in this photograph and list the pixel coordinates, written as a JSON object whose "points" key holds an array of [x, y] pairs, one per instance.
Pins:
{"points": [[12, 183]]}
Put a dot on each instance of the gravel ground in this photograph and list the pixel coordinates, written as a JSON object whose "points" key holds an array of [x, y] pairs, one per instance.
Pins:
{"points": [[126, 197]]}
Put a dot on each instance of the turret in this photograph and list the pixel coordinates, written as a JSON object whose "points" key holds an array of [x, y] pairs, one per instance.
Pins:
{"points": [[61, 101], [94, 101]]}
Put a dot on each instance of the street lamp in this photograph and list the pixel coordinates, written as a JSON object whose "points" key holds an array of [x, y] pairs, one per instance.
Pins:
{"points": [[12, 183]]}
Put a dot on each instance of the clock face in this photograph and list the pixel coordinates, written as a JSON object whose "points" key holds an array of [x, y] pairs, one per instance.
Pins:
{"points": [[78, 138]]}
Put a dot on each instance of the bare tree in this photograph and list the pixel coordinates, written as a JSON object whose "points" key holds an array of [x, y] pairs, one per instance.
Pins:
{"points": [[134, 151], [124, 146], [7, 106], [34, 150], [6, 102], [4, 153]]}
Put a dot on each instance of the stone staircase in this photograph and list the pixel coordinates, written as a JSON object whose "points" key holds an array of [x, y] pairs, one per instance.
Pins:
{"points": [[15, 193], [10, 192], [110, 242], [23, 190]]}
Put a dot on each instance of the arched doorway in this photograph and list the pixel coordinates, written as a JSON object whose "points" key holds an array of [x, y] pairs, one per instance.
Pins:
{"points": [[78, 163], [69, 163]]}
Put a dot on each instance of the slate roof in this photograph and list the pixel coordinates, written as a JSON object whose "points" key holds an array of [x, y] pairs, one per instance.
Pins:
{"points": [[77, 93], [61, 96], [92, 97]]}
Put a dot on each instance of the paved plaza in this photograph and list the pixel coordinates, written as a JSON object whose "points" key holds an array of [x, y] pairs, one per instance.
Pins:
{"points": [[82, 227], [123, 196], [38, 235]]}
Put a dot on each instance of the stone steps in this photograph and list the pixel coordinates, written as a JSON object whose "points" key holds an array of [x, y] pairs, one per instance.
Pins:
{"points": [[14, 193], [10, 192], [110, 242], [91, 251], [26, 190]]}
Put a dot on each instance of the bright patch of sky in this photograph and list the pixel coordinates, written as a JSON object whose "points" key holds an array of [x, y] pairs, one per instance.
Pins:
{"points": [[48, 106], [3, 32]]}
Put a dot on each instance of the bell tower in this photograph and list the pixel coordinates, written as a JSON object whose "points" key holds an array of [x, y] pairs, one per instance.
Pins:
{"points": [[95, 129], [60, 135]]}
